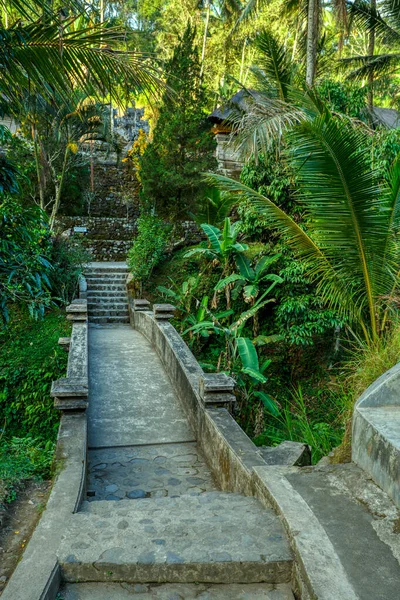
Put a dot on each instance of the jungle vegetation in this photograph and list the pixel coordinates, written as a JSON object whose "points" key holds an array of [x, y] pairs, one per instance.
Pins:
{"points": [[292, 286]]}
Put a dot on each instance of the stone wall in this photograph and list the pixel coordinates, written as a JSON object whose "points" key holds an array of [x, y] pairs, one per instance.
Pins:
{"points": [[107, 238], [115, 192], [129, 124]]}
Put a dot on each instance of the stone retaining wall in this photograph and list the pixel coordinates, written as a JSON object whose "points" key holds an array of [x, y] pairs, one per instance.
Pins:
{"points": [[376, 432], [106, 239]]}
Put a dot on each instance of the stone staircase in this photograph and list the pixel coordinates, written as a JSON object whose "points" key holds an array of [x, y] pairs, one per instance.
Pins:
{"points": [[215, 537], [106, 293]]}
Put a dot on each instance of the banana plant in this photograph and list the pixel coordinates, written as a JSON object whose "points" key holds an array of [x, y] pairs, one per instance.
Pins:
{"points": [[249, 280], [222, 243], [181, 295], [223, 246], [251, 367], [214, 324]]}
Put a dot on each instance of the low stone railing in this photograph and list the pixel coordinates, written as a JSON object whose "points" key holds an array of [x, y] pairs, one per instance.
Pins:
{"points": [[71, 392], [37, 576], [237, 464], [376, 432], [206, 398]]}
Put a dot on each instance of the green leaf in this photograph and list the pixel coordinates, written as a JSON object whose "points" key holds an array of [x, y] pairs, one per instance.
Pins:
{"points": [[255, 374], [214, 236], [250, 291], [262, 340], [227, 280], [269, 403], [224, 313], [248, 353], [195, 251], [244, 267]]}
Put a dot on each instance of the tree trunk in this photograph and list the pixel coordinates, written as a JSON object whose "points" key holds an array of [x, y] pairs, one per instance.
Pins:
{"points": [[371, 52], [59, 187], [38, 168], [203, 50], [242, 60], [312, 40]]}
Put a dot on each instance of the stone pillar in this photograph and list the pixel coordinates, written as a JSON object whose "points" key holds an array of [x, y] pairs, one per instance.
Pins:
{"points": [[71, 392], [216, 390], [163, 312], [141, 304]]}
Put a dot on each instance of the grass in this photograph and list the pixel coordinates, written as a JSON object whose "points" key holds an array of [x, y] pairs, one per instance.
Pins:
{"points": [[365, 365], [22, 459], [30, 359]]}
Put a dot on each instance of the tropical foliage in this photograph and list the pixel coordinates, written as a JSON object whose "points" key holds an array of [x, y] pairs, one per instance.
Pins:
{"points": [[285, 277]]}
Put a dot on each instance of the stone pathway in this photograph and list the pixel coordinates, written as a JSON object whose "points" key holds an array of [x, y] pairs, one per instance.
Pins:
{"points": [[180, 591], [147, 472], [131, 399], [154, 518]]}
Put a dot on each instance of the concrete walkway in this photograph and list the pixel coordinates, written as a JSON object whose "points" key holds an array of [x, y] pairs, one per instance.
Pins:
{"points": [[131, 400], [154, 518]]}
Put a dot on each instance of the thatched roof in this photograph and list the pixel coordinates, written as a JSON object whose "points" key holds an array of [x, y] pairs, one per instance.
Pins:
{"points": [[386, 116], [238, 103]]}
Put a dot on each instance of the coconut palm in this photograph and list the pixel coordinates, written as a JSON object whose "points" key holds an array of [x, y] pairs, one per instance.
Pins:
{"points": [[53, 59], [382, 21], [349, 245]]}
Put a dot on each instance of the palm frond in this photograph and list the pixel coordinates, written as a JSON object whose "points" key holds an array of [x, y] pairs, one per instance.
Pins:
{"points": [[347, 212], [53, 60], [380, 65], [37, 7], [348, 215], [391, 11], [265, 120], [275, 62], [249, 10], [369, 19]]}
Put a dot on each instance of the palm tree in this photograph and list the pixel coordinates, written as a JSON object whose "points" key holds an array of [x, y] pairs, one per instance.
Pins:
{"points": [[277, 104], [53, 58], [381, 19], [349, 242]]}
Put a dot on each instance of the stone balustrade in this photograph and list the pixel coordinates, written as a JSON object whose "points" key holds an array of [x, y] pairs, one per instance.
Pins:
{"points": [[71, 392]]}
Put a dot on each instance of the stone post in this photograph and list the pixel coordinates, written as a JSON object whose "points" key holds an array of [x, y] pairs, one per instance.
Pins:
{"points": [[216, 390], [163, 312], [71, 392], [141, 304]]}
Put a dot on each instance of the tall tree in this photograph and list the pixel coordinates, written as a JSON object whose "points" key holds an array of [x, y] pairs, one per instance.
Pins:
{"points": [[183, 145]]}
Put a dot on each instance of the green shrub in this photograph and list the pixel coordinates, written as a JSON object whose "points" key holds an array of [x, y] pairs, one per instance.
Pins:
{"points": [[24, 264], [149, 246], [30, 359], [20, 459], [68, 259]]}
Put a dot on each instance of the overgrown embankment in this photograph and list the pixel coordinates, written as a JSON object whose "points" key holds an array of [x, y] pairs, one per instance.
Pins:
{"points": [[30, 359]]}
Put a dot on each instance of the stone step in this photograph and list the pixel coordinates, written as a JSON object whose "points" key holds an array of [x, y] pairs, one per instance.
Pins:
{"points": [[107, 270], [176, 591], [215, 537], [106, 287], [113, 278], [109, 306], [106, 295], [108, 312], [107, 319]]}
